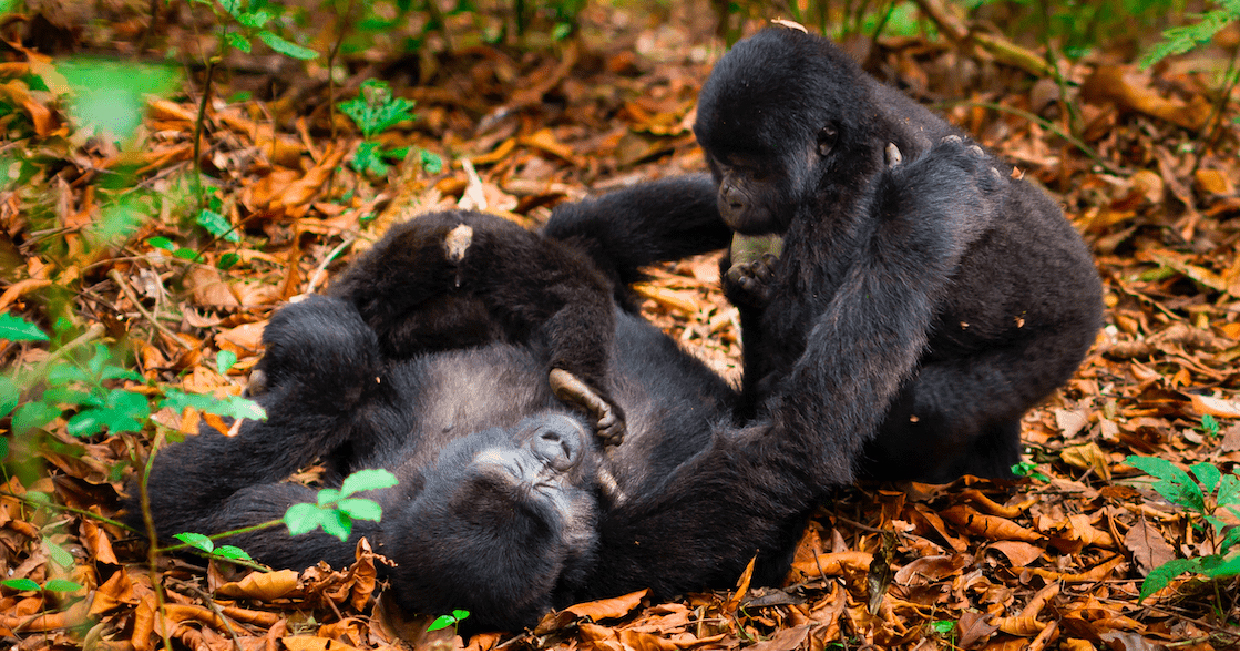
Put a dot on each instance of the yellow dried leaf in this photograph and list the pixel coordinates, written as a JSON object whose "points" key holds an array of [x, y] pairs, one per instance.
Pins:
{"points": [[262, 586], [680, 301], [1017, 625], [603, 608], [1215, 182], [1086, 457]]}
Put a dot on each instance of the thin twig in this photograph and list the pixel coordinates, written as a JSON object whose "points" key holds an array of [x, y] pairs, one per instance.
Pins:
{"points": [[321, 271], [215, 608], [92, 333], [116, 277], [68, 509]]}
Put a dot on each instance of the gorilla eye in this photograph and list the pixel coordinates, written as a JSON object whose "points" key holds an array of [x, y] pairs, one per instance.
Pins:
{"points": [[826, 139]]}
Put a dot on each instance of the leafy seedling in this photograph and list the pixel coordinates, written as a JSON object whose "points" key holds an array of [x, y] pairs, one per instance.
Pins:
{"points": [[444, 621], [1029, 469], [335, 510], [207, 546], [1202, 494]]}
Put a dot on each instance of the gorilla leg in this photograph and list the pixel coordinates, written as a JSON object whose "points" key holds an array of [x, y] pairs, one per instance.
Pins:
{"points": [[322, 363]]}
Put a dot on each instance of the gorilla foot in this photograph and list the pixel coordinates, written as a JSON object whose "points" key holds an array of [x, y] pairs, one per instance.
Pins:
{"points": [[608, 424]]}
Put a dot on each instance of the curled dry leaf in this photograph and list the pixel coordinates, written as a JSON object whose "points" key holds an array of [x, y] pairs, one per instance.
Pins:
{"points": [[604, 608], [991, 527], [835, 563], [262, 586]]}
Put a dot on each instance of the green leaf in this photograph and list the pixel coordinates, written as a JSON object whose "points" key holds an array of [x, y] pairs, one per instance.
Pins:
{"points": [[25, 585], [9, 395], [1176, 485], [233, 552], [197, 541], [286, 48], [336, 523], [431, 162], [360, 508], [224, 360], [460, 614], [111, 95], [238, 42], [16, 328], [1179, 40], [59, 555], [943, 627], [367, 480], [302, 518], [327, 497], [1229, 490], [1209, 425], [1224, 568], [1162, 575], [217, 225], [1206, 473], [227, 261], [442, 621], [62, 585], [254, 19], [161, 242], [33, 415], [187, 254], [232, 406]]}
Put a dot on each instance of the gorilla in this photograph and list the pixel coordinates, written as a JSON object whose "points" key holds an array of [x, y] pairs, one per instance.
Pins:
{"points": [[800, 142], [507, 505]]}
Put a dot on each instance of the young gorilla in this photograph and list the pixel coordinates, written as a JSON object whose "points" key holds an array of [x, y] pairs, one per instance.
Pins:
{"points": [[459, 279], [504, 507], [800, 140]]}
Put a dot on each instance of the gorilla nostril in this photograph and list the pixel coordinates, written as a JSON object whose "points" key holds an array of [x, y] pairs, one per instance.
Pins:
{"points": [[549, 435]]}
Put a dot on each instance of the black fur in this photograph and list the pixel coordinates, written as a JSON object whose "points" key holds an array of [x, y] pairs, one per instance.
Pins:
{"points": [[504, 507], [801, 142]]}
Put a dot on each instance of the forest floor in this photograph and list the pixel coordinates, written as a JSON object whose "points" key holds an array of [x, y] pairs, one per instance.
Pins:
{"points": [[1055, 560]]}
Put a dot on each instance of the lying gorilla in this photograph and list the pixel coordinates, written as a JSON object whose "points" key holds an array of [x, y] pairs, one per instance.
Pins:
{"points": [[506, 507], [800, 141]]}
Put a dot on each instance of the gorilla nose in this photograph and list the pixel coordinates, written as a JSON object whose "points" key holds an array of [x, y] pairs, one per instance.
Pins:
{"points": [[557, 440]]}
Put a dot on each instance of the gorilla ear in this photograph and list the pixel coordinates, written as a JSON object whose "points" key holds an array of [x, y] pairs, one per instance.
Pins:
{"points": [[826, 139]]}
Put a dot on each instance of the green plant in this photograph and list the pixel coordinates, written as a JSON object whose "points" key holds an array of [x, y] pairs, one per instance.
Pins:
{"points": [[55, 585], [335, 510], [1179, 488], [1209, 426], [374, 111], [251, 21], [444, 621], [207, 546], [1179, 40], [88, 379], [1029, 469]]}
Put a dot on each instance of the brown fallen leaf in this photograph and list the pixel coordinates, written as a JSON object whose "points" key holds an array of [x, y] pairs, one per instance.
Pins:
{"points": [[262, 586], [1214, 406], [835, 563], [1149, 548], [991, 527], [314, 643], [1018, 553], [605, 608]]}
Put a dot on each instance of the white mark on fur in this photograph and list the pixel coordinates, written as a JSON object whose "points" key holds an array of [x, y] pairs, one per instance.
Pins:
{"points": [[457, 242]]}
